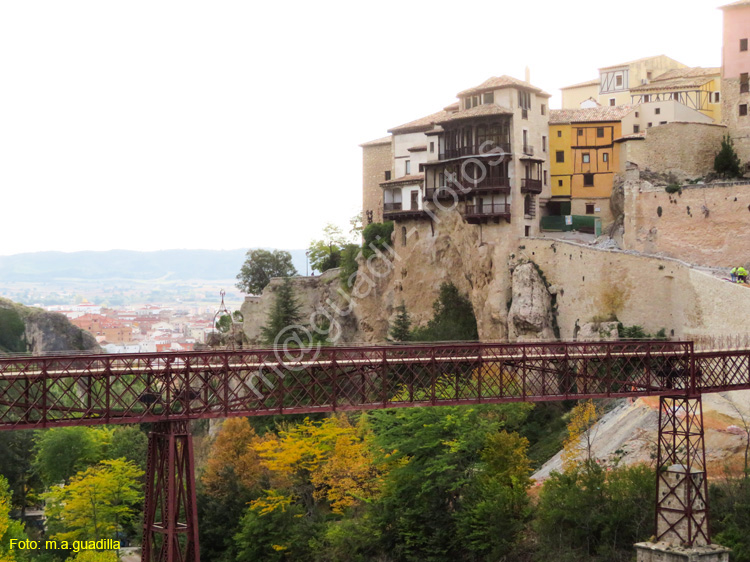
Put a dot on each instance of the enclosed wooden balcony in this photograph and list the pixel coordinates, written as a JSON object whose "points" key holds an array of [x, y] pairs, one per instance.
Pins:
{"points": [[488, 147], [529, 185], [475, 214]]}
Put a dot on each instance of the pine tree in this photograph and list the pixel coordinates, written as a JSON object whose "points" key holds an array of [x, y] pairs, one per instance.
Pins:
{"points": [[401, 328], [727, 163], [284, 315]]}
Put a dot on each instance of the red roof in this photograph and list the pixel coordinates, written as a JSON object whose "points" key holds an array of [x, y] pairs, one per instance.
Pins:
{"points": [[498, 82]]}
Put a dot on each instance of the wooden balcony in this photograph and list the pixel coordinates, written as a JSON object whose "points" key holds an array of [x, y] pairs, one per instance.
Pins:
{"points": [[529, 185], [475, 214], [395, 212], [472, 150], [440, 193]]}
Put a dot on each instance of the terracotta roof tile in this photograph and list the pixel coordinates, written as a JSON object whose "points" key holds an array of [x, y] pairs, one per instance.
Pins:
{"points": [[413, 178], [594, 82], [634, 136], [679, 79], [384, 140], [589, 114], [477, 111], [452, 107], [421, 124], [497, 82], [735, 4]]}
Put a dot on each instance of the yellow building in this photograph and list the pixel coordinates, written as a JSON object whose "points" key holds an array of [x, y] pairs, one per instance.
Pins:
{"points": [[697, 88], [615, 82], [584, 159]]}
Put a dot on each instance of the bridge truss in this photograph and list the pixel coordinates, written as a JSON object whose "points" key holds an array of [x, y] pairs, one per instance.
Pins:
{"points": [[169, 389]]}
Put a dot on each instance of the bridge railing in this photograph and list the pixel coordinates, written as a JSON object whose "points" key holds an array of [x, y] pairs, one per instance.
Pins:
{"points": [[128, 388]]}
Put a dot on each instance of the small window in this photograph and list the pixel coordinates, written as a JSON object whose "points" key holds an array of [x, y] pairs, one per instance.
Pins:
{"points": [[432, 147], [605, 157], [489, 97], [586, 158], [657, 111], [559, 134], [544, 143], [636, 114], [636, 129], [662, 122], [387, 175], [560, 156], [588, 181], [743, 109], [559, 183], [545, 177], [676, 96], [743, 44], [580, 132], [618, 80], [612, 101], [649, 74], [647, 98], [744, 83], [475, 101], [407, 167], [589, 208], [544, 109], [600, 132], [717, 97], [648, 126], [403, 236]]}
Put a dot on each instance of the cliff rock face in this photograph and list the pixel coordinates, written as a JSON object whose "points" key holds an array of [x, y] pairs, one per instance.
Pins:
{"points": [[421, 257], [39, 331], [531, 315]]}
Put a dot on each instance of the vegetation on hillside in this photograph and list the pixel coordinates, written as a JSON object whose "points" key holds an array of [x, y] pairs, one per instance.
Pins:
{"points": [[727, 163], [260, 266]]}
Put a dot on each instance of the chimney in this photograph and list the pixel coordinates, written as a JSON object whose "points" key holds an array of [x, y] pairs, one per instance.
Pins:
{"points": [[528, 75]]}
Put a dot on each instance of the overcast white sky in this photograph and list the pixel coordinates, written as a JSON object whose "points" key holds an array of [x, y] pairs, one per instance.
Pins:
{"points": [[151, 125]]}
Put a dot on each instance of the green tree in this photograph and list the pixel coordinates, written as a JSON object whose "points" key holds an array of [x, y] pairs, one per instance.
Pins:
{"points": [[16, 466], [376, 237], [61, 452], [281, 535], [97, 503], [726, 162], [284, 315], [260, 266], [9, 529], [129, 442], [11, 330], [453, 318], [730, 515], [588, 513], [401, 328], [325, 253], [349, 265]]}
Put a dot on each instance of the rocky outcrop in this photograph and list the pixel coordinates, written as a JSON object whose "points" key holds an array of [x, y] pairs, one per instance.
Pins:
{"points": [[320, 299], [598, 331], [531, 314], [37, 331]]}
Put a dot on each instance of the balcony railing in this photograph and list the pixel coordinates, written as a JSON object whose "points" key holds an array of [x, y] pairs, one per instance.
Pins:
{"points": [[528, 149], [395, 211], [474, 149], [487, 210], [432, 193], [529, 185]]}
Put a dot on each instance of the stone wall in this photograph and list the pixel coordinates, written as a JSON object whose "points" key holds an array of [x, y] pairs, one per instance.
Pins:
{"points": [[703, 225], [377, 158], [686, 150], [738, 126], [649, 291]]}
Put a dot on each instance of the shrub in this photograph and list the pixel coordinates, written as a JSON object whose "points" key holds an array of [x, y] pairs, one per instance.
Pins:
{"points": [[376, 236], [727, 163], [673, 188]]}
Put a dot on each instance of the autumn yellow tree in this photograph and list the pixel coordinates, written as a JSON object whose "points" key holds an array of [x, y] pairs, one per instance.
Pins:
{"points": [[96, 503], [7, 526], [328, 460], [578, 446], [233, 455]]}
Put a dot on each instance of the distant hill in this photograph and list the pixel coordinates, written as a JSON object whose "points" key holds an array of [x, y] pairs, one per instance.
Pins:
{"points": [[127, 264]]}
